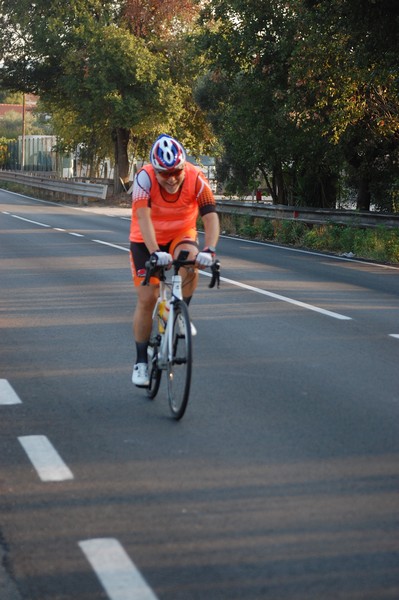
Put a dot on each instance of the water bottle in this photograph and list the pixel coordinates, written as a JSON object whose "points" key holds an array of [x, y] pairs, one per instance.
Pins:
{"points": [[163, 311]]}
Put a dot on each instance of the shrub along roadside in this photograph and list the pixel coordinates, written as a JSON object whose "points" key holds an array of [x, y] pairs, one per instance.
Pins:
{"points": [[379, 244]]}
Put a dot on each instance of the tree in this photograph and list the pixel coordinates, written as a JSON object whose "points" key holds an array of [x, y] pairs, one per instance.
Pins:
{"points": [[107, 64], [345, 70], [248, 99], [6, 98], [169, 29], [310, 91]]}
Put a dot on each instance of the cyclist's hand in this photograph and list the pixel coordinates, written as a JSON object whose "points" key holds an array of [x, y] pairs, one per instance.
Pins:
{"points": [[206, 258], [161, 259]]}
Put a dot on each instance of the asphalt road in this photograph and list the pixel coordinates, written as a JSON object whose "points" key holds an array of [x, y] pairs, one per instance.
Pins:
{"points": [[280, 483]]}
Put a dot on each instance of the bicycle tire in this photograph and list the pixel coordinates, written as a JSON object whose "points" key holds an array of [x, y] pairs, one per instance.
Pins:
{"points": [[154, 372], [180, 367]]}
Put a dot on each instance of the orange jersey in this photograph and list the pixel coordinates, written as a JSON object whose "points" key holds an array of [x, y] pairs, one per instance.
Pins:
{"points": [[170, 214]]}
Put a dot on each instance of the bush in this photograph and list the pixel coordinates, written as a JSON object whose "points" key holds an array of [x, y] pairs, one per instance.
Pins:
{"points": [[375, 244]]}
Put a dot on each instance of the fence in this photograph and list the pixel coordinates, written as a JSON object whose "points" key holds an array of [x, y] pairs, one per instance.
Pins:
{"points": [[83, 190], [225, 206], [39, 153], [307, 215]]}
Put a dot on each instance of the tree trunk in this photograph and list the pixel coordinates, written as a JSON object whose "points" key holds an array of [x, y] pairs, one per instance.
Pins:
{"points": [[363, 195], [121, 170], [328, 190], [278, 184]]}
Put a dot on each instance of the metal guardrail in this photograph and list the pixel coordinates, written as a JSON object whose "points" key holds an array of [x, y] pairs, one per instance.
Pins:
{"points": [[318, 216], [307, 215], [66, 186]]}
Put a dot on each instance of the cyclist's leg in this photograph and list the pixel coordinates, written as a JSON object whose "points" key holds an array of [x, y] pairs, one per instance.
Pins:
{"points": [[146, 295], [187, 241], [142, 317]]}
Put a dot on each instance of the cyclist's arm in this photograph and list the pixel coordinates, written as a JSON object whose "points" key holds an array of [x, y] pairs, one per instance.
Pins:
{"points": [[143, 214], [141, 198], [212, 229], [207, 208]]}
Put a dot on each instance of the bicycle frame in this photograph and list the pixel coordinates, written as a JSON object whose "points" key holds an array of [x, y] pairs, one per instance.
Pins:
{"points": [[175, 288], [170, 347]]}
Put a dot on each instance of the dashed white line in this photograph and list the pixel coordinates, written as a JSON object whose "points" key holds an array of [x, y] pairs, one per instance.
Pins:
{"points": [[45, 458], [118, 575], [111, 245], [7, 393], [75, 234], [394, 335], [232, 282], [30, 221]]}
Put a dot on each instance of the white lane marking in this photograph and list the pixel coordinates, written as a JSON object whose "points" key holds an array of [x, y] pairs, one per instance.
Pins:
{"points": [[45, 458], [7, 394], [319, 254], [59, 229], [116, 572], [317, 309], [322, 311], [30, 221], [75, 234], [111, 245], [394, 335]]}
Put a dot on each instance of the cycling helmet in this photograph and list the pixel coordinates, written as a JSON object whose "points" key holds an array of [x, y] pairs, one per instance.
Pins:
{"points": [[167, 154]]}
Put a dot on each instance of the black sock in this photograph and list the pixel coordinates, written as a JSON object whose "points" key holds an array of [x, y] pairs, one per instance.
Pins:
{"points": [[141, 349], [187, 300]]}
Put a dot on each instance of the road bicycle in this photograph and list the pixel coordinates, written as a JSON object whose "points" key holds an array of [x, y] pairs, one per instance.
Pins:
{"points": [[170, 344]]}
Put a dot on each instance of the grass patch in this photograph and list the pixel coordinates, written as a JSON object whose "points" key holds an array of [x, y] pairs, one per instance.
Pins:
{"points": [[380, 244]]}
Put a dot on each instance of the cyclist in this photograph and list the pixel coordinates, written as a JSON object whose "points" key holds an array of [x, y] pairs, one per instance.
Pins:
{"points": [[167, 196]]}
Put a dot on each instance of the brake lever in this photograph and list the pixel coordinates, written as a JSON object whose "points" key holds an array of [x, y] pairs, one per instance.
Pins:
{"points": [[215, 274], [149, 269]]}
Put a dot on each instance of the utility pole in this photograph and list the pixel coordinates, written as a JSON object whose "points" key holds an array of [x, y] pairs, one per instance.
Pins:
{"points": [[23, 134]]}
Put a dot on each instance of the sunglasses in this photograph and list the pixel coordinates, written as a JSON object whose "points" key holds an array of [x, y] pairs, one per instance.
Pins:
{"points": [[167, 174]]}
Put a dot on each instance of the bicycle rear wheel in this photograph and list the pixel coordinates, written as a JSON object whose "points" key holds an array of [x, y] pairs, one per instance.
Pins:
{"points": [[179, 368]]}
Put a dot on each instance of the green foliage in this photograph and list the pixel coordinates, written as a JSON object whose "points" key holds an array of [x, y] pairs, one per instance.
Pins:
{"points": [[375, 244], [11, 124], [111, 71], [6, 98], [303, 92], [4, 151]]}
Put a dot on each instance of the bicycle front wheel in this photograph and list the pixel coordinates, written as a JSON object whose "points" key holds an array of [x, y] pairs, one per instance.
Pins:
{"points": [[179, 367], [154, 372]]}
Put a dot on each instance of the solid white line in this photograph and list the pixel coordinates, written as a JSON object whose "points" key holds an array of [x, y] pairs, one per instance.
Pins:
{"points": [[45, 458], [7, 394], [30, 221], [116, 572], [322, 311], [313, 253], [254, 289], [111, 245], [394, 335]]}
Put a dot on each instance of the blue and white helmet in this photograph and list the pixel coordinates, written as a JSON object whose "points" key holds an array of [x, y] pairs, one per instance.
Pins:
{"points": [[167, 154]]}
